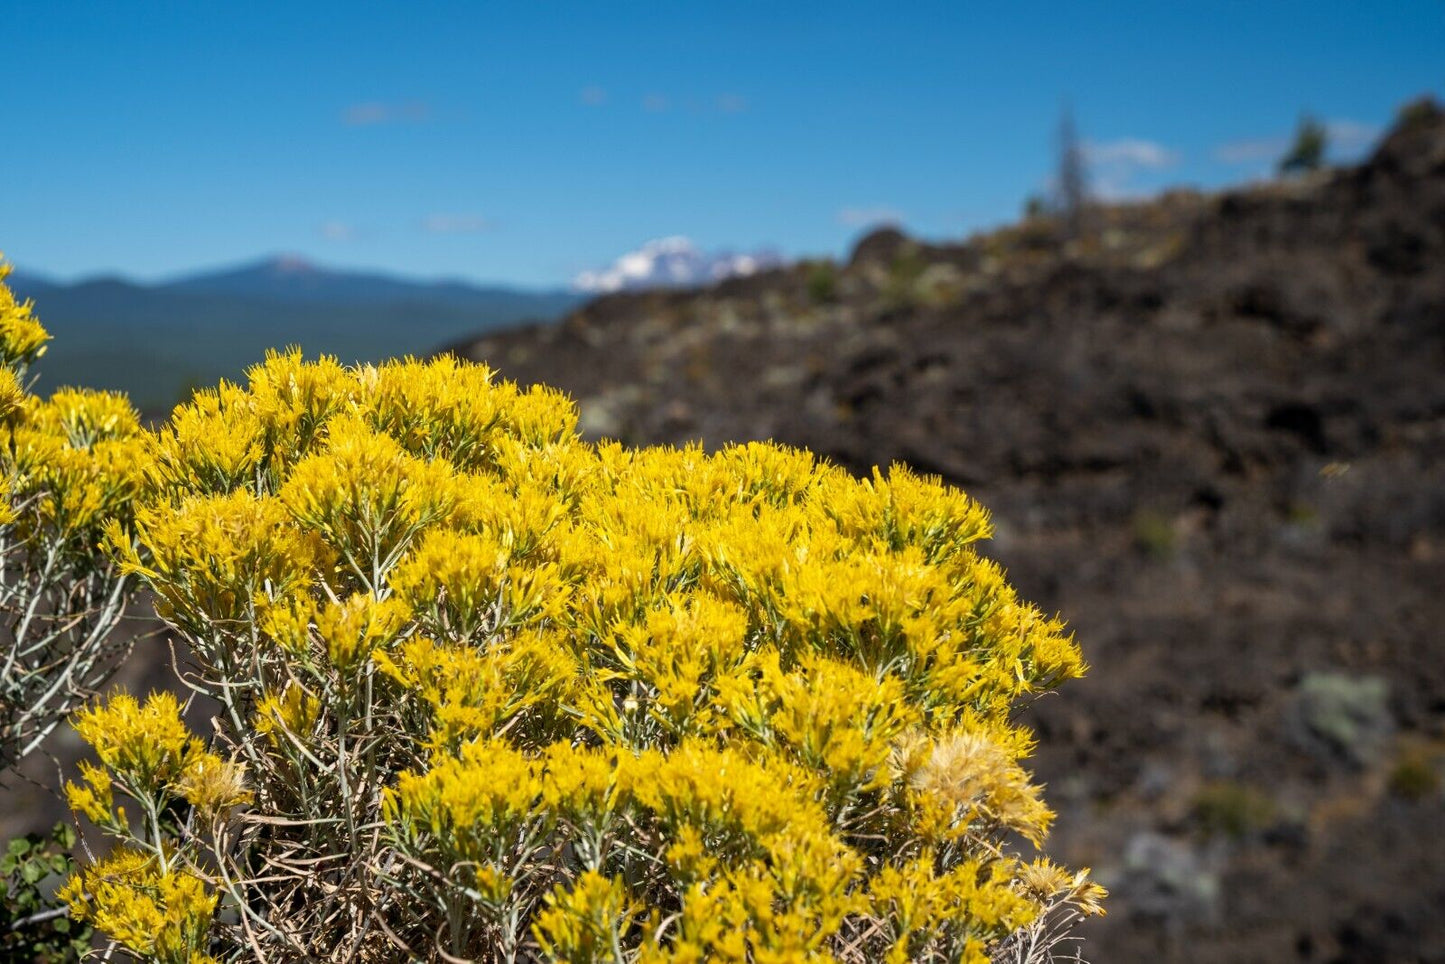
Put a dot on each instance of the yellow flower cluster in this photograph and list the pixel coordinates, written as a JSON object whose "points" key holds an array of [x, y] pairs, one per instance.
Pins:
{"points": [[146, 750], [75, 463], [162, 915], [22, 337], [968, 903], [586, 922], [69, 465], [607, 703], [144, 896], [147, 743], [70, 462]]}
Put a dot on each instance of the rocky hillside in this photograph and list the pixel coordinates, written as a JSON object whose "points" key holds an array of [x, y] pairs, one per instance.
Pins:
{"points": [[1212, 431]]}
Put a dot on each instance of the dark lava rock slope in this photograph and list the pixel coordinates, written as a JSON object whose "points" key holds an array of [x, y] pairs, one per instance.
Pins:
{"points": [[1212, 432]]}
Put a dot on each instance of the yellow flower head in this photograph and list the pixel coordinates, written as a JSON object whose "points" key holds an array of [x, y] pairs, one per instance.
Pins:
{"points": [[12, 394], [583, 923], [353, 628], [146, 743], [84, 417], [22, 338], [211, 445], [212, 785], [93, 798], [366, 495], [294, 712]]}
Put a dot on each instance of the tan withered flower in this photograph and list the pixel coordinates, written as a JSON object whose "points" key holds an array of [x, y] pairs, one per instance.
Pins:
{"points": [[978, 777], [212, 785]]}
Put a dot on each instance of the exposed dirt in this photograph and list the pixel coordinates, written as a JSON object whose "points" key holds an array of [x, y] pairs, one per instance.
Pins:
{"points": [[1212, 431]]}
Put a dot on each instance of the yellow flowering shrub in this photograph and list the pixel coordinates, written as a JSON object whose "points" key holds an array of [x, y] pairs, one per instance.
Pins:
{"points": [[488, 692], [69, 465]]}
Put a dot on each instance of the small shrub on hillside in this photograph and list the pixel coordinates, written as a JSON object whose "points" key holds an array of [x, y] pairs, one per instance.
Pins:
{"points": [[1307, 152], [1036, 208], [1415, 774], [1233, 810], [901, 288], [822, 281], [1417, 113], [488, 692], [1154, 534]]}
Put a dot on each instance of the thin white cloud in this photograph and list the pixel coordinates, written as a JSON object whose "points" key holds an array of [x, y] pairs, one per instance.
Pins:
{"points": [[374, 112], [657, 102], [1350, 135], [863, 217], [454, 224], [363, 115], [593, 96], [338, 231], [1115, 167], [1115, 188], [1131, 151], [1254, 151]]}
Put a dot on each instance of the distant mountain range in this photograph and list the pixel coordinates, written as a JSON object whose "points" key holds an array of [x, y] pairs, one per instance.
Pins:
{"points": [[156, 341]]}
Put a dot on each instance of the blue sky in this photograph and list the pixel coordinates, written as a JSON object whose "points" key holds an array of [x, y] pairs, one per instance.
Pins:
{"points": [[526, 142]]}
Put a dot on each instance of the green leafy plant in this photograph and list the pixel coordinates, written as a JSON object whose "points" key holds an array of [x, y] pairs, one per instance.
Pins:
{"points": [[33, 926]]}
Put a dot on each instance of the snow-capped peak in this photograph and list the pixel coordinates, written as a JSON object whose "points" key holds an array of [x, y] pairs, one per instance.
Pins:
{"points": [[672, 262], [289, 264]]}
